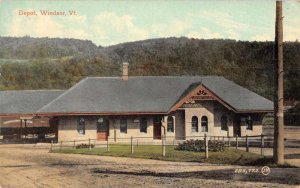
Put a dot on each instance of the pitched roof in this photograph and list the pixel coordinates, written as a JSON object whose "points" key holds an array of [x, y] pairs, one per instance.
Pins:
{"points": [[25, 101], [153, 94]]}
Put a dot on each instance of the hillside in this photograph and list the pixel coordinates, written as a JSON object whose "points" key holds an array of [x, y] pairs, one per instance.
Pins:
{"points": [[59, 63], [30, 48]]}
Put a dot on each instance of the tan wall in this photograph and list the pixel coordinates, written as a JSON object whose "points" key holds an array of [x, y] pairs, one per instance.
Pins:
{"points": [[180, 125], [67, 129], [257, 129], [133, 129], [205, 110], [219, 111]]}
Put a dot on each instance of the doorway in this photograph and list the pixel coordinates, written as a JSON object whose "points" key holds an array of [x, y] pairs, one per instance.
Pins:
{"points": [[102, 129], [237, 126], [157, 128]]}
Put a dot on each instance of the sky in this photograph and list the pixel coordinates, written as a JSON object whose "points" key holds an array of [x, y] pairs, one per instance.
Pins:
{"points": [[116, 21]]}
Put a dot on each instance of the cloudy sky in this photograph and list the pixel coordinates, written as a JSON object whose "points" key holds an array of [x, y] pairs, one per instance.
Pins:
{"points": [[115, 21]]}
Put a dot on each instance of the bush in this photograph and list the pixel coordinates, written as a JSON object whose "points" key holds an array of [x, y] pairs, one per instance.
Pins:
{"points": [[81, 146], [199, 146]]}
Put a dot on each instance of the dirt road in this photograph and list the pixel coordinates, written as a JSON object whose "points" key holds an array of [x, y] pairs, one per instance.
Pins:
{"points": [[31, 167]]}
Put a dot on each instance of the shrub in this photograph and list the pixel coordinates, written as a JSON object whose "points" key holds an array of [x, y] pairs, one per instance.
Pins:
{"points": [[81, 146], [199, 146]]}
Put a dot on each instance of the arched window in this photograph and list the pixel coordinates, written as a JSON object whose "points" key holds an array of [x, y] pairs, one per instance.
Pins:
{"points": [[224, 125], [194, 124], [123, 125], [170, 124], [81, 126], [204, 124], [249, 123], [143, 125]]}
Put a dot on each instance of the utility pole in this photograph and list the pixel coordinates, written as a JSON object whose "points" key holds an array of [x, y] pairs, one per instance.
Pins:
{"points": [[278, 151]]}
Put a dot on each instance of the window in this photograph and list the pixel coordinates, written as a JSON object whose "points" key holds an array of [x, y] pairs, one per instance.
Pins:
{"points": [[224, 125], [204, 124], [123, 125], [249, 123], [170, 124], [81, 126], [194, 124], [143, 125]]}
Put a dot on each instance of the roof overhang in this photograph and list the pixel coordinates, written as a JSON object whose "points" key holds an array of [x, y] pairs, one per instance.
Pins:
{"points": [[99, 113], [254, 111], [24, 116]]}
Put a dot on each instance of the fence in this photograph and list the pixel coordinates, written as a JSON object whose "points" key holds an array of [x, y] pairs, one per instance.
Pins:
{"points": [[165, 145]]}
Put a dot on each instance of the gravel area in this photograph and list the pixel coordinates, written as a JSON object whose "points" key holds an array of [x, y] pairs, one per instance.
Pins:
{"points": [[29, 166]]}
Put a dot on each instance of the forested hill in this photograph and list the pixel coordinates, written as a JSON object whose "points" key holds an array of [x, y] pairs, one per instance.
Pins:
{"points": [[30, 48], [60, 63]]}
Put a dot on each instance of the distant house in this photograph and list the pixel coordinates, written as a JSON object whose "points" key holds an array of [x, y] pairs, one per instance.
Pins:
{"points": [[152, 106]]}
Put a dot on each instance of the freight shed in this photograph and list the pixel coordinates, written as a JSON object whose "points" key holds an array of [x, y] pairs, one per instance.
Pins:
{"points": [[18, 121]]}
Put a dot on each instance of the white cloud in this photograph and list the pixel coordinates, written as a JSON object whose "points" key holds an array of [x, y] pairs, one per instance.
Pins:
{"points": [[112, 28], [291, 29], [291, 33], [263, 37], [204, 33], [173, 28], [221, 19]]}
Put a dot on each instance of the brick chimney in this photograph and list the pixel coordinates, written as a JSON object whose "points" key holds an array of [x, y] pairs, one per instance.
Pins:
{"points": [[125, 71]]}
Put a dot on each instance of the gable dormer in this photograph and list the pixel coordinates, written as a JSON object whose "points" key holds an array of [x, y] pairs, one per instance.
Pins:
{"points": [[193, 98]]}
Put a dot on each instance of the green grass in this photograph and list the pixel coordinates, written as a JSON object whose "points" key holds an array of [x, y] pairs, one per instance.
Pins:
{"points": [[229, 156]]}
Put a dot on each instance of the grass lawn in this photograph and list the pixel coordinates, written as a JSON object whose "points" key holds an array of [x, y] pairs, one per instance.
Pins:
{"points": [[229, 156]]}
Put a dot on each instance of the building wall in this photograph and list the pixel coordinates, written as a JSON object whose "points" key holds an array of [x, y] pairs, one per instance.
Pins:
{"points": [[219, 111], [206, 109], [133, 129], [257, 125], [67, 129], [180, 125]]}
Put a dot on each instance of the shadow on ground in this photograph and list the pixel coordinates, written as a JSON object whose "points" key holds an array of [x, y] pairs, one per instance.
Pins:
{"points": [[277, 175]]}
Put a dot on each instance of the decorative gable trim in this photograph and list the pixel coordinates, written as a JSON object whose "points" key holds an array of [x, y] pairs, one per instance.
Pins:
{"points": [[201, 92]]}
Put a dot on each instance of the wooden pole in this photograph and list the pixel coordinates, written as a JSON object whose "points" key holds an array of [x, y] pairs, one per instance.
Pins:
{"points": [[236, 142], [51, 148], [25, 129], [206, 146], [90, 147], [131, 145], [278, 151], [174, 143], [107, 145], [262, 145], [228, 141], [163, 145], [247, 143]]}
